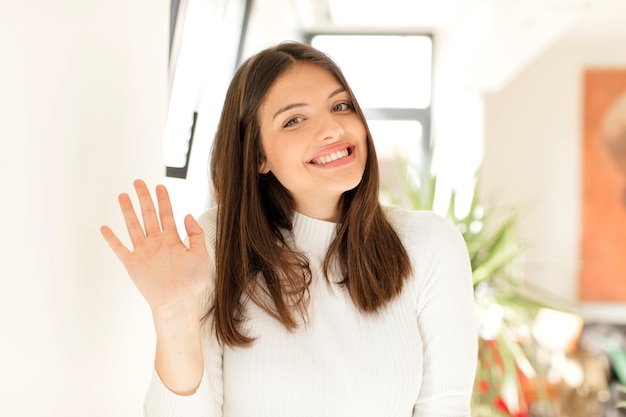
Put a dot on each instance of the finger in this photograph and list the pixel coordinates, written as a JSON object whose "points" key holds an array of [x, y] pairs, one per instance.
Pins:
{"points": [[166, 213], [135, 231], [195, 233], [114, 243], [148, 212]]}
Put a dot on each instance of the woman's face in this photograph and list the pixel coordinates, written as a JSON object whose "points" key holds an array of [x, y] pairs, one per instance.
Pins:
{"points": [[313, 140]]}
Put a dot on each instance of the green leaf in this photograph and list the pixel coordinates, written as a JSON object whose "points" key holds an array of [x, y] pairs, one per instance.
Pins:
{"points": [[500, 257], [510, 379], [519, 356], [484, 410]]}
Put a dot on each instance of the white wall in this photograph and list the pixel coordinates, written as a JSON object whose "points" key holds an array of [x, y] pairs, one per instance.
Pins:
{"points": [[82, 104], [82, 107], [533, 156]]}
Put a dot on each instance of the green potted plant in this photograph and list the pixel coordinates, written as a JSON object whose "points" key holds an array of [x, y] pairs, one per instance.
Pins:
{"points": [[510, 373]]}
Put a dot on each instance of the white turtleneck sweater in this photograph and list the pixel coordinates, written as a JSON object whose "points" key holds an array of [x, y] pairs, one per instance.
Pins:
{"points": [[416, 357]]}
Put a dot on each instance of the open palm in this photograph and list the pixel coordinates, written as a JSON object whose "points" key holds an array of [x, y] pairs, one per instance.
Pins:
{"points": [[168, 274]]}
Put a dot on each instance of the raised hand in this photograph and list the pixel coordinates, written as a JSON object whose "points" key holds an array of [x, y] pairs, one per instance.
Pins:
{"points": [[170, 276]]}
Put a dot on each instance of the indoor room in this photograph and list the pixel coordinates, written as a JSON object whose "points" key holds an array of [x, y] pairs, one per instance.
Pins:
{"points": [[506, 118]]}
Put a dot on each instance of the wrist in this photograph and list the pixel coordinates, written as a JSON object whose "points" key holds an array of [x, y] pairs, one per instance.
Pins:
{"points": [[183, 311]]}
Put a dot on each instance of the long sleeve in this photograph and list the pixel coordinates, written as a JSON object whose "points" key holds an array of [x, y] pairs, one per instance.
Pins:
{"points": [[447, 323]]}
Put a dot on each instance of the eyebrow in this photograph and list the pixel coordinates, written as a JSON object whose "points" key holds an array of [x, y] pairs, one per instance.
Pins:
{"points": [[294, 105]]}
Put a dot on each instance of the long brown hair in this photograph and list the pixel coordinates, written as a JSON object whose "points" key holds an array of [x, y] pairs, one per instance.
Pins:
{"points": [[254, 210]]}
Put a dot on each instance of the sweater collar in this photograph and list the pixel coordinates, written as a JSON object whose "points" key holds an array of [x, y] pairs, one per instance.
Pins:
{"points": [[312, 235]]}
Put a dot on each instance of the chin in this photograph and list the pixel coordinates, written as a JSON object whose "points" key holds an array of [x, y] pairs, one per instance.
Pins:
{"points": [[349, 185]]}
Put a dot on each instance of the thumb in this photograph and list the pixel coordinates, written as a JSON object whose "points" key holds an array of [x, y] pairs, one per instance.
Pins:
{"points": [[195, 233]]}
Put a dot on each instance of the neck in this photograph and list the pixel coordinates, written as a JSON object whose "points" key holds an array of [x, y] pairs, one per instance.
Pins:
{"points": [[322, 209]]}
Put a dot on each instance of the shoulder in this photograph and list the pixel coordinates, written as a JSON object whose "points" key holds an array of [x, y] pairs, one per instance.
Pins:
{"points": [[434, 244], [438, 253], [208, 223], [422, 228], [208, 220]]}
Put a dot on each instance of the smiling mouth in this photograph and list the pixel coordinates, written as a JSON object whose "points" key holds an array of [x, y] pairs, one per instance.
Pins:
{"points": [[331, 157]]}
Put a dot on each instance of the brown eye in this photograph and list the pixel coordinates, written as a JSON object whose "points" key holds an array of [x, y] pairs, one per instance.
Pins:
{"points": [[343, 107], [293, 121]]}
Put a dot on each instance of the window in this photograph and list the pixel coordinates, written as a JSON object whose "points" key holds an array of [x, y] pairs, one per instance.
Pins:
{"points": [[391, 76]]}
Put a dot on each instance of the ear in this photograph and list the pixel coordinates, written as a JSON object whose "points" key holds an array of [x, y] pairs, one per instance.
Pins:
{"points": [[263, 167]]}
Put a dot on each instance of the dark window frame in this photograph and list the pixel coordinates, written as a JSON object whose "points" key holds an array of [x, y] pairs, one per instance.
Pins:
{"points": [[421, 115]]}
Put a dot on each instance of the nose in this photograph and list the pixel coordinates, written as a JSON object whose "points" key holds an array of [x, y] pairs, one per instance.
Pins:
{"points": [[330, 128]]}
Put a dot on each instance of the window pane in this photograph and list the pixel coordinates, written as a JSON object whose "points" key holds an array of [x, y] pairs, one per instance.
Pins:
{"points": [[398, 142], [386, 71]]}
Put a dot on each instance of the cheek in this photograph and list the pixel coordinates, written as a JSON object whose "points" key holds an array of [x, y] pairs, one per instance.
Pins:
{"points": [[362, 138], [358, 129], [281, 156]]}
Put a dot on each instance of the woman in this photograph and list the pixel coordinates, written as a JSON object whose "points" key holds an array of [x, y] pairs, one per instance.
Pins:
{"points": [[299, 295]]}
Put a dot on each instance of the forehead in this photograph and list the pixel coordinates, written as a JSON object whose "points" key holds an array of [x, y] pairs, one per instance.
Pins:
{"points": [[302, 78]]}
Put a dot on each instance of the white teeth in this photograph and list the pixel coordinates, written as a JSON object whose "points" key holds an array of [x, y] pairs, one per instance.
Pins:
{"points": [[331, 157]]}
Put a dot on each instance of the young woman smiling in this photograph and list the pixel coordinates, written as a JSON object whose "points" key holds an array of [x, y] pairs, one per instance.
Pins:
{"points": [[299, 294]]}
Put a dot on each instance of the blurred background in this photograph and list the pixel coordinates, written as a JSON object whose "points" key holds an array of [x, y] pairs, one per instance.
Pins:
{"points": [[95, 94]]}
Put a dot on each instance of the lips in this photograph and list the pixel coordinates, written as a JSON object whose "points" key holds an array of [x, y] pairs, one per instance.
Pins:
{"points": [[330, 155], [330, 158]]}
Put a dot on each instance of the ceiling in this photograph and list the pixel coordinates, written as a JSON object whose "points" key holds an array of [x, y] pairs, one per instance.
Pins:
{"points": [[492, 40]]}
